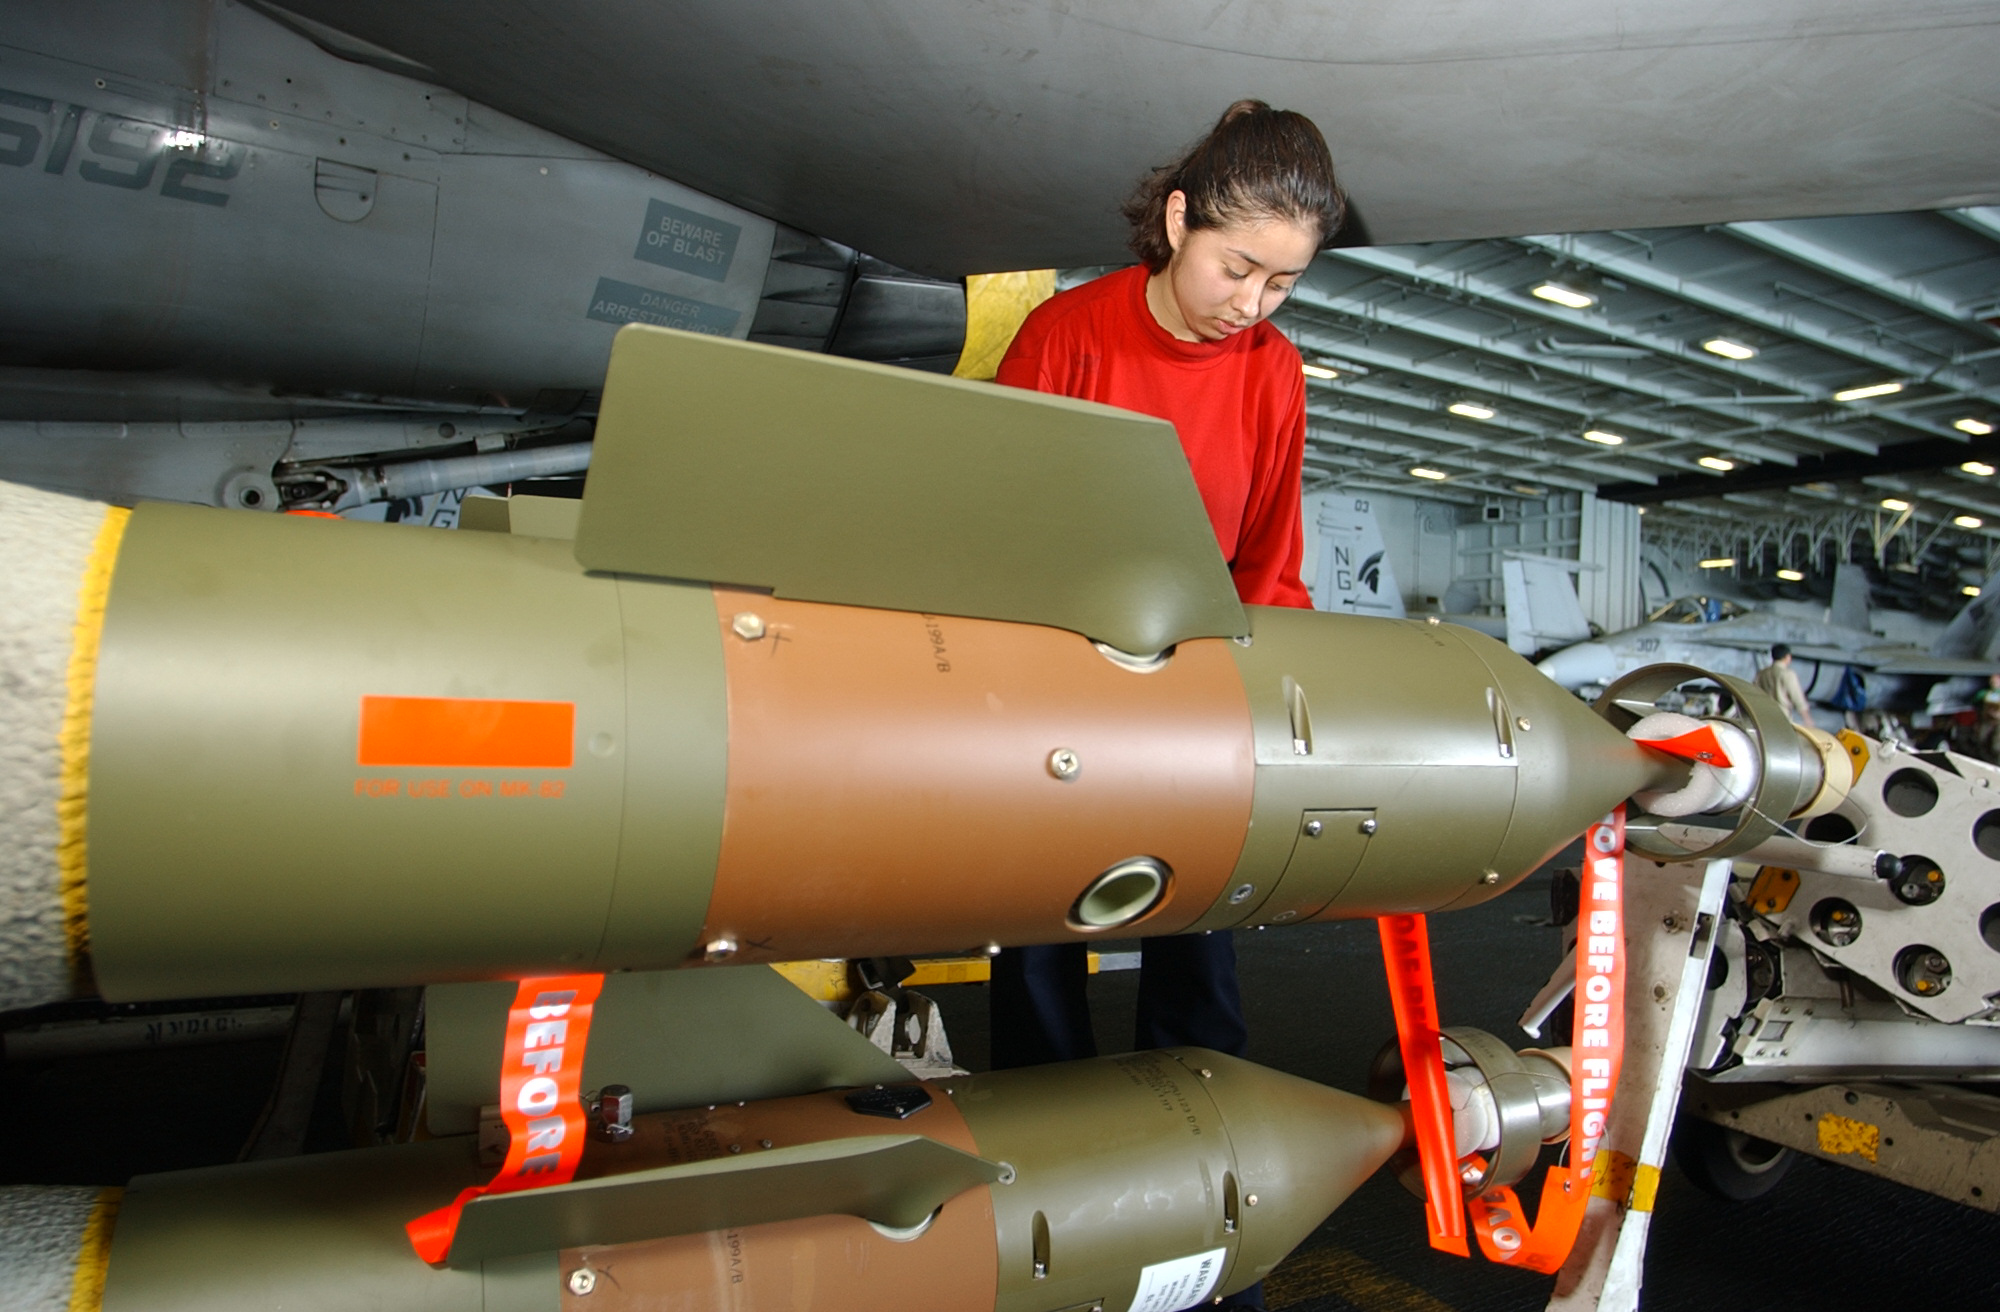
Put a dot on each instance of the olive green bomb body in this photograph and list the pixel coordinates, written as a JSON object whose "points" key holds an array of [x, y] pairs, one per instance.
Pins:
{"points": [[1104, 1179], [236, 836], [238, 844], [896, 738]]}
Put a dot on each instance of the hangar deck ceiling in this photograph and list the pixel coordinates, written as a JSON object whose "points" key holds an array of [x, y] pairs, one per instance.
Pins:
{"points": [[1698, 144], [961, 136], [1447, 361]]}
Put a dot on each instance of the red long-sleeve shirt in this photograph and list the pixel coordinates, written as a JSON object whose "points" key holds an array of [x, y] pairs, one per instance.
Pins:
{"points": [[1239, 407]]}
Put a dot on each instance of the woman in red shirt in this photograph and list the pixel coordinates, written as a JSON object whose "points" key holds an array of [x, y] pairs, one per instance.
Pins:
{"points": [[1224, 233]]}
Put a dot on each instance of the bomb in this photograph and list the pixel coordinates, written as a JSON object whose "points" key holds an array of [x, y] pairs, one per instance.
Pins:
{"points": [[832, 659], [1151, 1180], [302, 753]]}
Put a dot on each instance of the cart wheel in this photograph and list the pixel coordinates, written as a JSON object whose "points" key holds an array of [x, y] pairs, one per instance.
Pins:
{"points": [[1729, 1163]]}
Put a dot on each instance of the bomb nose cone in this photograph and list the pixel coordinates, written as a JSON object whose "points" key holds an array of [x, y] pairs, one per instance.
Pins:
{"points": [[1301, 1148], [1572, 766], [1409, 767], [1561, 730]]}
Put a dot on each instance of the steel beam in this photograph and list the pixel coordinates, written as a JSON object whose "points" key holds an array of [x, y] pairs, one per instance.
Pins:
{"points": [[1672, 348], [1478, 383], [1781, 239], [1915, 457], [1579, 250], [1347, 303], [1592, 455]]}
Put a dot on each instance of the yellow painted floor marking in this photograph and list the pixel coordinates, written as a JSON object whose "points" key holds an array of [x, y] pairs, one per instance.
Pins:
{"points": [[1318, 1272]]}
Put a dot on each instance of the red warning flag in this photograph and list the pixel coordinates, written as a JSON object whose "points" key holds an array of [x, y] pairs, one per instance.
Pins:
{"points": [[1597, 1051], [541, 1100], [1406, 951]]}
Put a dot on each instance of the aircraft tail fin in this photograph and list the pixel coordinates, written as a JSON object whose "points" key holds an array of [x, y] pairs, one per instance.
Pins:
{"points": [[1354, 570], [1850, 598], [1974, 633], [1542, 606]]}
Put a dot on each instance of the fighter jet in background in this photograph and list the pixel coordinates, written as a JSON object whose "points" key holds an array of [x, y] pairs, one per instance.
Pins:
{"points": [[247, 271], [1840, 661]]}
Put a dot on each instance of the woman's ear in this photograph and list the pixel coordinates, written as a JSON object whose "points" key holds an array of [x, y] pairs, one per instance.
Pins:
{"points": [[1176, 219]]}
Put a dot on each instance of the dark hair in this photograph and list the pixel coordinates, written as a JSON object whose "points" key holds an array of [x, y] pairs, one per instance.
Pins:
{"points": [[1779, 651], [1256, 163]]}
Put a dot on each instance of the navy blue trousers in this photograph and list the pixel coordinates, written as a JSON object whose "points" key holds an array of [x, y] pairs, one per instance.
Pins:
{"points": [[1187, 997]]}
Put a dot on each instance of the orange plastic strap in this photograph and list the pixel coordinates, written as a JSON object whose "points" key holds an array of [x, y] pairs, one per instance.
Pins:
{"points": [[1406, 952], [1597, 1050], [541, 1100]]}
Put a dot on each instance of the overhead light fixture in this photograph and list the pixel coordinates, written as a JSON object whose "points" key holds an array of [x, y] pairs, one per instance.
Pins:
{"points": [[1719, 562], [1970, 590], [1968, 521], [1530, 490], [1791, 576], [1320, 371], [1978, 467], [1894, 503], [1471, 410], [1433, 474], [1976, 427], [1863, 393], [1607, 439], [1564, 296], [1717, 463], [1727, 349]]}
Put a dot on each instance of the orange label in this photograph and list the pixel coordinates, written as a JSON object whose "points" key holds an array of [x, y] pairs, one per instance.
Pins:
{"points": [[541, 1100], [467, 732]]}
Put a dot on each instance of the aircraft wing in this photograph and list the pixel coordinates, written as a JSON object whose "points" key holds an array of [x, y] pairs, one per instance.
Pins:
{"points": [[958, 136], [1865, 659], [1943, 667], [1904, 659]]}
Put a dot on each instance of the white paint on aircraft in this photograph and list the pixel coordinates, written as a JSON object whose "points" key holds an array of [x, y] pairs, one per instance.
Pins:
{"points": [[1542, 606], [1354, 571]]}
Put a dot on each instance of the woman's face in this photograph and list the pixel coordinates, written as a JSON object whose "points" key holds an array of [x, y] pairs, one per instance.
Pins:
{"points": [[1223, 280]]}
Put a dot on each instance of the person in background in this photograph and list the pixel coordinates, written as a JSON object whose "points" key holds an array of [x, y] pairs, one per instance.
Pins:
{"points": [[1782, 683], [1986, 725], [1223, 235]]}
